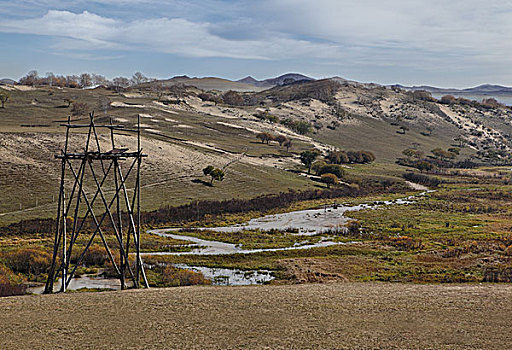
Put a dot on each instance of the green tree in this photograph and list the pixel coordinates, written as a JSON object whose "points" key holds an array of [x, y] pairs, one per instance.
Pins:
{"points": [[216, 174], [208, 170], [316, 166], [4, 96], [329, 179], [307, 158], [442, 154], [301, 127]]}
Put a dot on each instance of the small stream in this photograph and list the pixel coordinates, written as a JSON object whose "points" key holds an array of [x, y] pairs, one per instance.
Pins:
{"points": [[304, 222]]}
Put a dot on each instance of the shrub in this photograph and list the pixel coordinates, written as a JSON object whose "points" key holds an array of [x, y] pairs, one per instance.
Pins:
{"points": [[79, 108], [367, 156], [332, 169], [301, 127], [265, 137], [265, 116], [337, 157], [329, 179], [422, 179], [280, 139], [174, 277], [28, 261], [95, 256], [232, 98], [353, 228], [10, 283], [448, 99], [405, 243]]}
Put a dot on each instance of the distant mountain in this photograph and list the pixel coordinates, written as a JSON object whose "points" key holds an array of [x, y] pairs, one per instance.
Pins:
{"points": [[489, 89], [249, 80], [485, 89], [206, 83], [7, 81], [284, 79]]}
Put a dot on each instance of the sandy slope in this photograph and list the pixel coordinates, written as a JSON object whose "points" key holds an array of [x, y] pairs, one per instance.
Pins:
{"points": [[314, 316]]}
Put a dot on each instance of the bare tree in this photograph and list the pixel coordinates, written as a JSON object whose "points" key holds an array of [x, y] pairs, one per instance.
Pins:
{"points": [[50, 77], [139, 78], [120, 83], [99, 80], [85, 80]]}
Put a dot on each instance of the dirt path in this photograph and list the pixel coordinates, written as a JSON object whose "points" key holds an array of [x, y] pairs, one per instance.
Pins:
{"points": [[328, 316]]}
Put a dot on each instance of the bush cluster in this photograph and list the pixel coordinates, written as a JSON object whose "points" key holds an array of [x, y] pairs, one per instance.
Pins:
{"points": [[171, 276], [299, 126], [422, 179], [10, 283], [342, 157], [28, 261]]}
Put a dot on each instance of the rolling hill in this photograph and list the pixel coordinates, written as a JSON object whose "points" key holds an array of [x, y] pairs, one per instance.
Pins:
{"points": [[184, 131]]}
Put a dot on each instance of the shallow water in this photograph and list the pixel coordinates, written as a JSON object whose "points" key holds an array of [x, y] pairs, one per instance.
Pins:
{"points": [[307, 222], [206, 247], [230, 277], [82, 282]]}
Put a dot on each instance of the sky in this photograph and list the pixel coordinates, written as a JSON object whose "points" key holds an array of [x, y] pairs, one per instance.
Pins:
{"points": [[456, 43]]}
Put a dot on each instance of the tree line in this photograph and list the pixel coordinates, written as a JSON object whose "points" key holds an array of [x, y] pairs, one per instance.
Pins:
{"points": [[83, 80]]}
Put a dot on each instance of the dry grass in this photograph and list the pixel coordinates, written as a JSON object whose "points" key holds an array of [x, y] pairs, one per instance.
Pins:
{"points": [[314, 316]]}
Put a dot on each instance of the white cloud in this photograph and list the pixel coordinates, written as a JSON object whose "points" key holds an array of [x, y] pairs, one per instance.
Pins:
{"points": [[452, 40], [168, 35], [467, 27]]}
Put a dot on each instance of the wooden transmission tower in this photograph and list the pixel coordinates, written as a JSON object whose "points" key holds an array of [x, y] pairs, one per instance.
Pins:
{"points": [[102, 209]]}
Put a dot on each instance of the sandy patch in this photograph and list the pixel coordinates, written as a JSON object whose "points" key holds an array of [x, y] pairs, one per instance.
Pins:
{"points": [[133, 95], [19, 87], [231, 125], [122, 104]]}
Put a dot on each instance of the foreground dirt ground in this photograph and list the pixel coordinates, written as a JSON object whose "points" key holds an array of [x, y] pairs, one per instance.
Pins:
{"points": [[315, 316]]}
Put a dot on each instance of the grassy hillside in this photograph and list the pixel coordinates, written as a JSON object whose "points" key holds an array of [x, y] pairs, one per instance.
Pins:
{"points": [[182, 134]]}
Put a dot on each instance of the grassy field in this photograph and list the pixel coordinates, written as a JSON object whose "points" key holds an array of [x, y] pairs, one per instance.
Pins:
{"points": [[314, 316]]}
